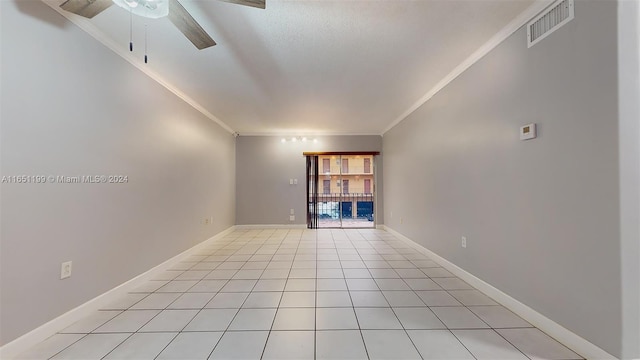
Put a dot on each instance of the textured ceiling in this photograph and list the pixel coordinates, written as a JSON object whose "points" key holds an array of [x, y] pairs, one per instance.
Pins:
{"points": [[314, 67]]}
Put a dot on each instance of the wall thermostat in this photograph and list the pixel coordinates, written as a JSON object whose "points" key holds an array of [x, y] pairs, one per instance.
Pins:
{"points": [[528, 132]]}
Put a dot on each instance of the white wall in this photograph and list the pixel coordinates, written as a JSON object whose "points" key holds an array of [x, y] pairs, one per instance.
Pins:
{"points": [[541, 217], [72, 107], [265, 165], [629, 133]]}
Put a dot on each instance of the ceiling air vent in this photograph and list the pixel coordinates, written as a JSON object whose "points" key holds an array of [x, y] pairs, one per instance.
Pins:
{"points": [[550, 20]]}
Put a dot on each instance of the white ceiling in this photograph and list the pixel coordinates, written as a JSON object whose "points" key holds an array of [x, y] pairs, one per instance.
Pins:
{"points": [[314, 67]]}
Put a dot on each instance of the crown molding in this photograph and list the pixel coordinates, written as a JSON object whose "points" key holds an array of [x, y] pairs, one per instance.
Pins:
{"points": [[97, 34], [498, 38]]}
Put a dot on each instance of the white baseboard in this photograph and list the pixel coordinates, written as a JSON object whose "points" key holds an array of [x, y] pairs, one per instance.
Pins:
{"points": [[271, 226], [41, 333], [553, 329]]}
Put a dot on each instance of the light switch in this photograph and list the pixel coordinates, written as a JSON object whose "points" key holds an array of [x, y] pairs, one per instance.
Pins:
{"points": [[290, 181], [295, 181]]}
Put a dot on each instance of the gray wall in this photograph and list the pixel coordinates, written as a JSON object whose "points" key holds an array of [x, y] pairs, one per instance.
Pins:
{"points": [[541, 217], [72, 107], [265, 165]]}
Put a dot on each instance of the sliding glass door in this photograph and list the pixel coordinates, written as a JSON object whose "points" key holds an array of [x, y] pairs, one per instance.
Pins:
{"points": [[340, 190]]}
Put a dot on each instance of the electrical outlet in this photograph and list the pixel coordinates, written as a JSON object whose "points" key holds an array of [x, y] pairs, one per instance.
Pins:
{"points": [[464, 242], [206, 221], [295, 181], [292, 218], [65, 270]]}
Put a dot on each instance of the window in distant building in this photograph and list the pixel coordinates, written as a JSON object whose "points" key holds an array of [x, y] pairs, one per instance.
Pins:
{"points": [[326, 166]]}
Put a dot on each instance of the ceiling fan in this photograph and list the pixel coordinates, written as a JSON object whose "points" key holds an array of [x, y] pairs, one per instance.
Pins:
{"points": [[176, 13]]}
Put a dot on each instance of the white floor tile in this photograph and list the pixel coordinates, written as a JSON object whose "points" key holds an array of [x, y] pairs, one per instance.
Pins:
{"points": [[191, 346], [438, 298], [377, 318], [211, 320], [331, 285], [221, 274], [262, 300], [240, 345], [227, 300], [356, 274], [293, 345], [170, 320], [341, 344], [156, 301], [439, 345], [361, 284], [330, 274], [402, 298], [487, 344], [253, 319], [389, 344], [295, 319], [275, 274], [422, 284], [458, 317], [248, 274], [141, 346], [178, 286], [209, 286], [128, 321], [333, 299], [537, 345], [418, 318], [239, 286], [270, 285], [298, 299], [300, 285], [336, 319], [191, 301], [92, 346], [302, 273], [411, 273], [392, 284], [368, 299]]}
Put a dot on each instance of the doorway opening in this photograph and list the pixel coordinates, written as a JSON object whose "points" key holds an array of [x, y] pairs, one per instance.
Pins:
{"points": [[341, 190]]}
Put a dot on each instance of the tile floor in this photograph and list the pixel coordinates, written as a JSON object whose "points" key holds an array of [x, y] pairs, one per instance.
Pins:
{"points": [[302, 294]]}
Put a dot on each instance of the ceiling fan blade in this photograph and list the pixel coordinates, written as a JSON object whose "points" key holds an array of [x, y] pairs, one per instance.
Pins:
{"points": [[188, 26], [86, 8], [261, 4]]}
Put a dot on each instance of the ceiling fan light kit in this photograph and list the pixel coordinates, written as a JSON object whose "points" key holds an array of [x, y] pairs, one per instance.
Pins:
{"points": [[152, 9]]}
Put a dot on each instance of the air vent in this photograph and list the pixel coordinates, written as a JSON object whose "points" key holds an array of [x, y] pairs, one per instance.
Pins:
{"points": [[558, 14]]}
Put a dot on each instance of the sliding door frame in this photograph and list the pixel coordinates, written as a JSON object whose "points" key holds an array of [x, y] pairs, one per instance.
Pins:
{"points": [[313, 184]]}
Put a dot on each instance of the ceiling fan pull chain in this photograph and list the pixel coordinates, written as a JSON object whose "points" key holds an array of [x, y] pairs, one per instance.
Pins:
{"points": [[145, 44], [130, 30]]}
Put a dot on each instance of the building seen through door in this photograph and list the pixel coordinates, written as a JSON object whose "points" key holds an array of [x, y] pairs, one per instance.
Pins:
{"points": [[345, 191]]}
